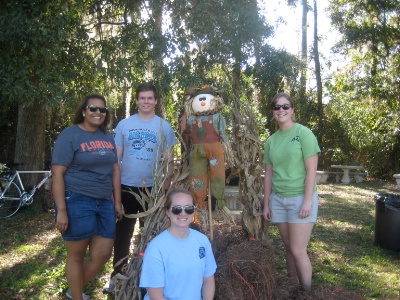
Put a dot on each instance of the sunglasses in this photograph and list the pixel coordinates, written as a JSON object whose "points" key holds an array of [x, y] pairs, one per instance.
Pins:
{"points": [[278, 106], [94, 108], [177, 209]]}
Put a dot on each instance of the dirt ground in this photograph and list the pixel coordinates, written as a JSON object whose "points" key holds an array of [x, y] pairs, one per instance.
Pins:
{"points": [[246, 271]]}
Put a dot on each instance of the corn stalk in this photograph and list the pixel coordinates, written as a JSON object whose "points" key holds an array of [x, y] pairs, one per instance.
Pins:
{"points": [[248, 158], [127, 284]]}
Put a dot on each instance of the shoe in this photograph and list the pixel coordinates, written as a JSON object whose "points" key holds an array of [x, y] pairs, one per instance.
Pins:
{"points": [[69, 296], [109, 288]]}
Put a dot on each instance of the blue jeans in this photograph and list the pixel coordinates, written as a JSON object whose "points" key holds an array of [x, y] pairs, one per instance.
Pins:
{"points": [[88, 217]]}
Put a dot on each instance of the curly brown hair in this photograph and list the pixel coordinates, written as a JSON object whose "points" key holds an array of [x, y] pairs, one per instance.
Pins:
{"points": [[78, 118]]}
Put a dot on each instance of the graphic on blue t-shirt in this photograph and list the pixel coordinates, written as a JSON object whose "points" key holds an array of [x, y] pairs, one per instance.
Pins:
{"points": [[97, 147], [141, 137], [202, 252]]}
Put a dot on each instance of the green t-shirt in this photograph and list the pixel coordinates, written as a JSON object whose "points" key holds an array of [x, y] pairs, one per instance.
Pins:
{"points": [[286, 152]]}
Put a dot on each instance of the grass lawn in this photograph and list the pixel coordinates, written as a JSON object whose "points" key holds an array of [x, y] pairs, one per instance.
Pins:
{"points": [[342, 246], [342, 250], [32, 259]]}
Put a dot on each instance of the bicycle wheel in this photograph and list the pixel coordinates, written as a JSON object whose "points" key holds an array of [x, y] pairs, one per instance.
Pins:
{"points": [[11, 201]]}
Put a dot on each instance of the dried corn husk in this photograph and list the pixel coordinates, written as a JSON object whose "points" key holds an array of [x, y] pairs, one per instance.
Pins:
{"points": [[246, 148], [245, 154]]}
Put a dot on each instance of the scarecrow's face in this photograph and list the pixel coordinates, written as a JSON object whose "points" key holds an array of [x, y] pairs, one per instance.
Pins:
{"points": [[202, 103]]}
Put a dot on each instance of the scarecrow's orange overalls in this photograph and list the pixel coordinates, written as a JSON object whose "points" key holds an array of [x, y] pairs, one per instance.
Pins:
{"points": [[206, 158]]}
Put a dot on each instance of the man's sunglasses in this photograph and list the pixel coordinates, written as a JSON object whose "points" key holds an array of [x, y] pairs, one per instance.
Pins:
{"points": [[278, 106], [94, 108], [177, 209]]}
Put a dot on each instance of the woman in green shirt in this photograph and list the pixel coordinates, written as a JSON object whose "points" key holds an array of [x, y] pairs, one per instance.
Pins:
{"points": [[290, 195]]}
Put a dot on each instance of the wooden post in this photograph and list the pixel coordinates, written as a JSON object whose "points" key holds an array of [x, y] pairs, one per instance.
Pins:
{"points": [[210, 217]]}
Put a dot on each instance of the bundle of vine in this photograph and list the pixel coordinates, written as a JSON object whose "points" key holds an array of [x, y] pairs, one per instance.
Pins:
{"points": [[127, 284]]}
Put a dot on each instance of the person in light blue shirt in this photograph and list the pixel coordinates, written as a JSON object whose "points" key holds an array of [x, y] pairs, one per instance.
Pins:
{"points": [[179, 263]]}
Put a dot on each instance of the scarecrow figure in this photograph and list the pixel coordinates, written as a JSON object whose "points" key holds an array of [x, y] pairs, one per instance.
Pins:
{"points": [[205, 127]]}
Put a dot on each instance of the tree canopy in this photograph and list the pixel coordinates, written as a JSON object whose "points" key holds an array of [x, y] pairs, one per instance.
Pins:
{"points": [[54, 53]]}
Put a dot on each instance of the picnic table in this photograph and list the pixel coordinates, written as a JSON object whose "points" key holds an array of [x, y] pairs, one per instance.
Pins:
{"points": [[346, 170]]}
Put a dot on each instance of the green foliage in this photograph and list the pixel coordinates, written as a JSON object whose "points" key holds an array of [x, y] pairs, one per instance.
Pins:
{"points": [[41, 51], [213, 34], [277, 71], [370, 126], [366, 23], [53, 54], [365, 95], [44, 57]]}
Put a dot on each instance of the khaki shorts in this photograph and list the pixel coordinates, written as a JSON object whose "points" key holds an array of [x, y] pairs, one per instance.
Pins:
{"points": [[287, 210]]}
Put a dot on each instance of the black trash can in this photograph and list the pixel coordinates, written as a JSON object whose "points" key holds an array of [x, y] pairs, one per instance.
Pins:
{"points": [[387, 221]]}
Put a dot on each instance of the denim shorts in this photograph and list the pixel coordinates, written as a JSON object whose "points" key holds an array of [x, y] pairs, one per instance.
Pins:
{"points": [[88, 217], [287, 210]]}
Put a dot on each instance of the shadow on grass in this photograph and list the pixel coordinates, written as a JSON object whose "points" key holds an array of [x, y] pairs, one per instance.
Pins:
{"points": [[24, 226], [32, 259], [32, 256]]}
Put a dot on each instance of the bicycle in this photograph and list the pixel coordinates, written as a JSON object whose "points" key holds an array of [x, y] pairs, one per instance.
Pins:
{"points": [[13, 195]]}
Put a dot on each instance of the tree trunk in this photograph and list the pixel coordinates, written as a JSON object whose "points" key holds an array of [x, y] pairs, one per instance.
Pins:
{"points": [[303, 78], [159, 49], [318, 73], [30, 145]]}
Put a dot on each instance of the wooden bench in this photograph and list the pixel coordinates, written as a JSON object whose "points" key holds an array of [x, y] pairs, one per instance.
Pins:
{"points": [[397, 177]]}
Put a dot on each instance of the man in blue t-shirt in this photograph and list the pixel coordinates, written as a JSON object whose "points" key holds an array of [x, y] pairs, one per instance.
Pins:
{"points": [[142, 141]]}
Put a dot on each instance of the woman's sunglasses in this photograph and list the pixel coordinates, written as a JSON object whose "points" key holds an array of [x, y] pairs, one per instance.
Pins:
{"points": [[278, 106], [94, 108], [177, 209]]}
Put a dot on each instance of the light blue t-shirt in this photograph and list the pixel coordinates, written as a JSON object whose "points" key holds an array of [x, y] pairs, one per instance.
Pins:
{"points": [[144, 143], [178, 265]]}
